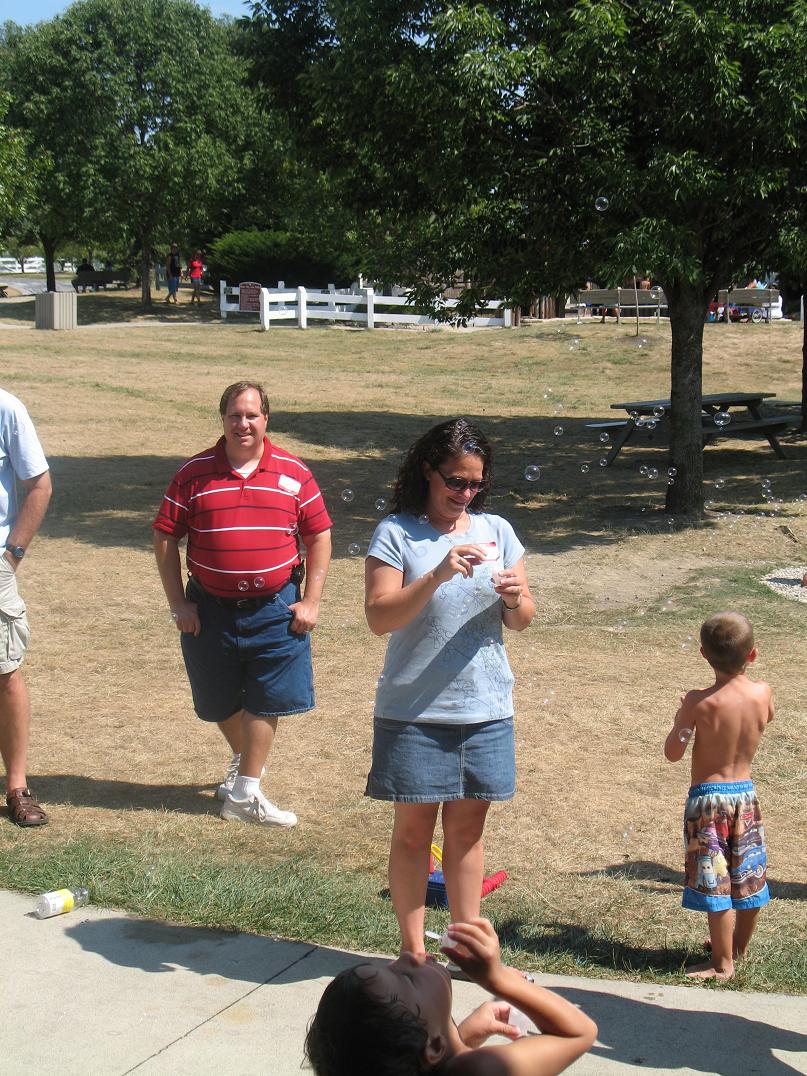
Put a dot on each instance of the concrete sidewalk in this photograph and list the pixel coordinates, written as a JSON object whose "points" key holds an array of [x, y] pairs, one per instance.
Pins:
{"points": [[100, 993]]}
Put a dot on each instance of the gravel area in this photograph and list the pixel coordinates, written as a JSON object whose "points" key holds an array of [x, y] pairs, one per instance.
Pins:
{"points": [[787, 582]]}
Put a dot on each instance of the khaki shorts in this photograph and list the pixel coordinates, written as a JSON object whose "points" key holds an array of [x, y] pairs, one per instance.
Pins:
{"points": [[13, 620]]}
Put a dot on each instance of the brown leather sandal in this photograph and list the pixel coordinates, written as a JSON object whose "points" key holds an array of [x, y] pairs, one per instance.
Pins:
{"points": [[23, 808]]}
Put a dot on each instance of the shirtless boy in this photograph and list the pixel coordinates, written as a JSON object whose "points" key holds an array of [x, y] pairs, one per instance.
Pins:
{"points": [[396, 1019], [725, 843]]}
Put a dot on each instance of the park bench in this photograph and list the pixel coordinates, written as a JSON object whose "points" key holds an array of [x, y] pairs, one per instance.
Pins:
{"points": [[758, 301], [101, 278], [619, 299]]}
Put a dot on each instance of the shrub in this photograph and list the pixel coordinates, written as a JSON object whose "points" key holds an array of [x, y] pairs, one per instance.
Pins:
{"points": [[267, 257]]}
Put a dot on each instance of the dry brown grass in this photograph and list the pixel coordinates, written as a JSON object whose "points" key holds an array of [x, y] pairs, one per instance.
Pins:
{"points": [[116, 749]]}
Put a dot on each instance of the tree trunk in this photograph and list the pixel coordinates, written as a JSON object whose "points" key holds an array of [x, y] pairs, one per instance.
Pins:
{"points": [[49, 246], [145, 275], [560, 305], [687, 308], [804, 375]]}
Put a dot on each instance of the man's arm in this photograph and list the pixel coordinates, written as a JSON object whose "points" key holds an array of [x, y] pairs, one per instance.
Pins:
{"points": [[184, 613], [318, 559], [32, 511]]}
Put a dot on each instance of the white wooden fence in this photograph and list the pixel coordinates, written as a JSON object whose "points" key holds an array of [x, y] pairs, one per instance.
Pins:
{"points": [[364, 307]]}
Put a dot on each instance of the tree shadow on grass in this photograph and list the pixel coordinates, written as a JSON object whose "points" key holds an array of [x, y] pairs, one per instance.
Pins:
{"points": [[111, 500], [76, 790], [121, 307]]}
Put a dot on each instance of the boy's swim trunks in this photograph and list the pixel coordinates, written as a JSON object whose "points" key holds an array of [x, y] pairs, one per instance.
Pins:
{"points": [[724, 840]]}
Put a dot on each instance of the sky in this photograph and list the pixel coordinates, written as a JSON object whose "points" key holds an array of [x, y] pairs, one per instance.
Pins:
{"points": [[25, 12]]}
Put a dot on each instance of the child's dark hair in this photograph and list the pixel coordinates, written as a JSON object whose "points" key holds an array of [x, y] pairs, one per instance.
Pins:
{"points": [[354, 1033], [457, 437], [727, 640]]}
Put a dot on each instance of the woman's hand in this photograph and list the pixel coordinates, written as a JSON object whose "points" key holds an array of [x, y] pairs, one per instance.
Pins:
{"points": [[489, 1019], [459, 560], [508, 585]]}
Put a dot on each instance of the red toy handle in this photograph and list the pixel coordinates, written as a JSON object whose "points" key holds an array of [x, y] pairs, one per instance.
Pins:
{"points": [[493, 882]]}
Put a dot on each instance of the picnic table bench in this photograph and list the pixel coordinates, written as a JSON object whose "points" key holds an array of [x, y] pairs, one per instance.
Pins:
{"points": [[752, 422], [3, 291], [101, 278]]}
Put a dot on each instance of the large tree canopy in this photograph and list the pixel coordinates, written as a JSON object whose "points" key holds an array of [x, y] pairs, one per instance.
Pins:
{"points": [[150, 97], [476, 137]]}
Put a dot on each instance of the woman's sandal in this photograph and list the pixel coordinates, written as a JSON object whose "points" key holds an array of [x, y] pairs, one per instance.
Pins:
{"points": [[23, 808]]}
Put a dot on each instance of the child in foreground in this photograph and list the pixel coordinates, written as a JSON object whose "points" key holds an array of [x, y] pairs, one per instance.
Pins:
{"points": [[396, 1020], [726, 860]]}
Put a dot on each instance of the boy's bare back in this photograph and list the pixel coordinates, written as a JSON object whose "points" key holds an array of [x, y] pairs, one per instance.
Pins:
{"points": [[726, 722]]}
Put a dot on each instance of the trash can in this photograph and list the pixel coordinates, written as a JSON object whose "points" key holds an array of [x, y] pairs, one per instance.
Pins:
{"points": [[56, 310]]}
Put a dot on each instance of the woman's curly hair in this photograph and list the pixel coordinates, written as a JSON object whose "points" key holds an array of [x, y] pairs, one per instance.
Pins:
{"points": [[457, 437], [355, 1033]]}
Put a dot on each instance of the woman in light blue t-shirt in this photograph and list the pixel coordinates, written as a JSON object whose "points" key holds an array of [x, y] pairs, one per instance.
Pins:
{"points": [[442, 577]]}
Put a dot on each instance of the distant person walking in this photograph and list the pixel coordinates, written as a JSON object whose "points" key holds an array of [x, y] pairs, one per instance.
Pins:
{"points": [[195, 270], [21, 461], [173, 271]]}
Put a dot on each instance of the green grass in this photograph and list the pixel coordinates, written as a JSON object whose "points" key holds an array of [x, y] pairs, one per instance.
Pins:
{"points": [[296, 898]]}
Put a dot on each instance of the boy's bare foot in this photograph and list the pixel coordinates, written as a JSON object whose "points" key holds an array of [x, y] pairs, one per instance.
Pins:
{"points": [[707, 971]]}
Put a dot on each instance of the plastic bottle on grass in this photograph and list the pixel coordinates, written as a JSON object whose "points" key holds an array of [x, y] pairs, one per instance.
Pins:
{"points": [[59, 901]]}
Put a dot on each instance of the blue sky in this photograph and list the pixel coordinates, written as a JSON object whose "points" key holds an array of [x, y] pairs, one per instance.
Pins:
{"points": [[31, 11]]}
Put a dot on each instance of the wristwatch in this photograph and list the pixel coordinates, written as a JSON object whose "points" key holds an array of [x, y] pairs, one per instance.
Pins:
{"points": [[17, 551]]}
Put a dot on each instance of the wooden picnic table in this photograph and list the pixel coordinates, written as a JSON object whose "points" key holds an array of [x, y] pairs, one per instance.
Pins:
{"points": [[712, 403]]}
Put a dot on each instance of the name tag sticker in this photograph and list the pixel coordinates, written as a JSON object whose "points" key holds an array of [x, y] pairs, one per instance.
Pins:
{"points": [[291, 485]]}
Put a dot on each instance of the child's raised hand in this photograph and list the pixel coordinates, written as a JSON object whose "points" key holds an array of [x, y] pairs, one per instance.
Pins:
{"points": [[489, 1019], [476, 951]]}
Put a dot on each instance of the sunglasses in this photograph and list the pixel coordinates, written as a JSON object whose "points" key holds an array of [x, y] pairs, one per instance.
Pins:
{"points": [[459, 485]]}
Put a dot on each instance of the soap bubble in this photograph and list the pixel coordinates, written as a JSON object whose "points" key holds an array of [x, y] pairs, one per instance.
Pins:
{"points": [[658, 412], [292, 529], [671, 523], [655, 294], [601, 203], [643, 469], [720, 483], [423, 519], [243, 585], [348, 495], [354, 549], [532, 472], [605, 437], [684, 735], [642, 341], [381, 504], [722, 418], [259, 582], [603, 461], [419, 551], [558, 408], [651, 423], [558, 431], [709, 505], [672, 472], [670, 481], [652, 472], [585, 468], [574, 343]]}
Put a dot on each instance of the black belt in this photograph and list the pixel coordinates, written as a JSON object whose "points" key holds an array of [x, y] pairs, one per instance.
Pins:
{"points": [[246, 604]]}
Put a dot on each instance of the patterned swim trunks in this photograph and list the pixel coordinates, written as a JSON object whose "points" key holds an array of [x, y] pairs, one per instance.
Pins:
{"points": [[724, 841]]}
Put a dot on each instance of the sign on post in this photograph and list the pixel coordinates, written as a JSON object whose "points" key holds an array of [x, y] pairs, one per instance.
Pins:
{"points": [[249, 297]]}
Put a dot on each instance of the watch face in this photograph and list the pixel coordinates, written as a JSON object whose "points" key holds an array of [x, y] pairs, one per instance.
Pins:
{"points": [[16, 551]]}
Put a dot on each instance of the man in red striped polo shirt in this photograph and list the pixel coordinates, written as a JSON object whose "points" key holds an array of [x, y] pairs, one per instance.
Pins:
{"points": [[245, 505]]}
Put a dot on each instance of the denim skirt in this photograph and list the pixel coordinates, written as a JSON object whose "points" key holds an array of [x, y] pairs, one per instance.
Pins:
{"points": [[418, 762]]}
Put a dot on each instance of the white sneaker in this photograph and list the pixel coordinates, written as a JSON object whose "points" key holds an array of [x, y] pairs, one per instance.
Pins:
{"points": [[257, 809], [226, 786]]}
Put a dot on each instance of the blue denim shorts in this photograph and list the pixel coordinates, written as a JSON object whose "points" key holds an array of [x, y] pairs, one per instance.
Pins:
{"points": [[418, 762], [173, 285], [248, 659]]}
